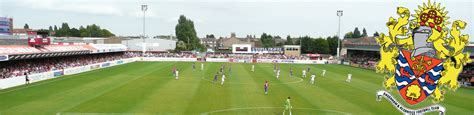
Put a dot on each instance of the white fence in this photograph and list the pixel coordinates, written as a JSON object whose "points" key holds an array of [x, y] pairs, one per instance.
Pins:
{"points": [[217, 59], [292, 61], [267, 61], [168, 59], [20, 80]]}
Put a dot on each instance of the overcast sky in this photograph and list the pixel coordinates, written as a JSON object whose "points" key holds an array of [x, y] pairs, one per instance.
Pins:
{"points": [[221, 17]]}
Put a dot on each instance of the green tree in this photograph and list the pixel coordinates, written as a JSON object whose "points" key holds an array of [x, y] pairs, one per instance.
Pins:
{"points": [[356, 33], [267, 40], [75, 32], [180, 46], [280, 44], [289, 41], [297, 41], [88, 31], [307, 45], [26, 26], [364, 33], [50, 30], [55, 28], [83, 32], [185, 32], [106, 33], [349, 35], [320, 46], [63, 31], [332, 42], [210, 36], [376, 34]]}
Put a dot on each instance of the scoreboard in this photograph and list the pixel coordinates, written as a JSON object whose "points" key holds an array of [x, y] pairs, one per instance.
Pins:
{"points": [[39, 41], [38, 38]]}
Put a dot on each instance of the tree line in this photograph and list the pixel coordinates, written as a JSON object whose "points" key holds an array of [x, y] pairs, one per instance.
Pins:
{"points": [[308, 44], [188, 40], [87, 31], [357, 34], [186, 35]]}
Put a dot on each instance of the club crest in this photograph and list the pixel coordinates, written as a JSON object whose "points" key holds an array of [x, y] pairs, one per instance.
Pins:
{"points": [[421, 55]]}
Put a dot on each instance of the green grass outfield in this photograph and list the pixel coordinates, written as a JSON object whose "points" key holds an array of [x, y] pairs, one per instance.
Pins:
{"points": [[148, 87]]}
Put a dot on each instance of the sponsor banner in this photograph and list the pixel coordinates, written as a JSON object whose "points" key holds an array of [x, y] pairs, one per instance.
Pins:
{"points": [[95, 66], [3, 57], [70, 71], [217, 59], [406, 110], [292, 61], [112, 63], [240, 60], [12, 82], [106, 64], [41, 76], [58, 73], [354, 65], [20, 80], [286, 61], [266, 61], [345, 63], [132, 59], [75, 70], [120, 62], [169, 59]]}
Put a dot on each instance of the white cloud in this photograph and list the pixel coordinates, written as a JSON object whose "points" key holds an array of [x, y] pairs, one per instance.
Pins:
{"points": [[74, 7], [148, 14], [172, 19], [220, 17]]}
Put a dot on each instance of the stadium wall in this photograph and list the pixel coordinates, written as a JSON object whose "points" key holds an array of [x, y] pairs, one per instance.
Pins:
{"points": [[217, 59], [292, 61], [20, 80], [267, 61], [168, 59], [17, 81]]}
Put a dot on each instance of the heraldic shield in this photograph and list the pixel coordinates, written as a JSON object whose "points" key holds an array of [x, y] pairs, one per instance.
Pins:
{"points": [[417, 77]]}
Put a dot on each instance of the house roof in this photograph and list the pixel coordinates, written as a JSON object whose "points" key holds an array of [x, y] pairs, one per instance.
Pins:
{"points": [[21, 30]]}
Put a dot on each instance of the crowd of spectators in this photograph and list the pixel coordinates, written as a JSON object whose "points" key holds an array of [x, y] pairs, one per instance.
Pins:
{"points": [[468, 70], [168, 55], [30, 66], [256, 56], [280, 56], [363, 58], [217, 55], [19, 67]]}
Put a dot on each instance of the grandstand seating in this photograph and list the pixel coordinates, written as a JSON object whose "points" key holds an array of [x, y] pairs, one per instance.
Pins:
{"points": [[18, 49], [15, 52], [19, 67]]}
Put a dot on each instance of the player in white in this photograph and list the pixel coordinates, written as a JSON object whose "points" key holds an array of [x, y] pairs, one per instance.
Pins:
{"points": [[177, 74], [278, 73], [274, 68], [202, 66], [291, 72], [287, 106], [253, 67], [349, 77], [324, 73], [223, 79], [304, 73], [312, 78]]}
